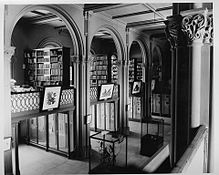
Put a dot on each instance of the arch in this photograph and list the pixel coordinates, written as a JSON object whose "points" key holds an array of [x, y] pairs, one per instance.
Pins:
{"points": [[145, 51], [116, 38], [49, 41], [58, 11]]}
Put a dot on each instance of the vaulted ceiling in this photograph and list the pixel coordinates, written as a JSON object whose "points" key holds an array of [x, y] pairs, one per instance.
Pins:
{"points": [[146, 17]]}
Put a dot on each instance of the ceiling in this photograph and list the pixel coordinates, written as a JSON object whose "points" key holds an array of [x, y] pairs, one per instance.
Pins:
{"points": [[145, 17]]}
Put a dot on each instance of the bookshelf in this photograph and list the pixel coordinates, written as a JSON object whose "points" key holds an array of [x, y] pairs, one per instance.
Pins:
{"points": [[103, 70], [48, 66], [135, 70]]}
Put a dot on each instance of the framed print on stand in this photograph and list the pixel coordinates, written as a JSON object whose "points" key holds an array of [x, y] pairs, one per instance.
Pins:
{"points": [[51, 97], [106, 91]]}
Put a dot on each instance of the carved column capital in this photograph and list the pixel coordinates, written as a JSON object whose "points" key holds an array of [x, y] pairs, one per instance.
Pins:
{"points": [[9, 52], [198, 27], [208, 36], [174, 31]]}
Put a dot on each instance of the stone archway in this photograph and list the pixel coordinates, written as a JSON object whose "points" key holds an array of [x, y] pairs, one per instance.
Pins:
{"points": [[8, 53], [121, 56]]}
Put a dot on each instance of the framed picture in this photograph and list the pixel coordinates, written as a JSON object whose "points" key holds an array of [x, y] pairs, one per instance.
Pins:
{"points": [[136, 87], [51, 97], [106, 91]]}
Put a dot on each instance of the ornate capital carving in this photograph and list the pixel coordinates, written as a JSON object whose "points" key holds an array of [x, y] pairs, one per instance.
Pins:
{"points": [[9, 52], [208, 36], [198, 27], [174, 31]]}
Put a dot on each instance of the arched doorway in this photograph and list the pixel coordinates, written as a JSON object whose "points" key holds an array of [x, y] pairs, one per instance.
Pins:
{"points": [[69, 30], [106, 55]]}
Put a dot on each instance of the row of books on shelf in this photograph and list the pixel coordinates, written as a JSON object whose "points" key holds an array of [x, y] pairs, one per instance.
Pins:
{"points": [[44, 83], [45, 59], [99, 63], [98, 77], [49, 71], [95, 82], [42, 53], [99, 72], [56, 72], [100, 58], [48, 66], [49, 78], [43, 71]]}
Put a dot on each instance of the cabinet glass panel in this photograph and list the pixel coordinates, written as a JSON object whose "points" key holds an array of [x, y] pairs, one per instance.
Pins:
{"points": [[100, 116], [71, 131], [110, 116], [42, 130], [52, 131], [63, 131], [33, 129], [92, 124]]}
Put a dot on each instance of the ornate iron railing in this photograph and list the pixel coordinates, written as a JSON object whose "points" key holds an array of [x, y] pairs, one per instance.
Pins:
{"points": [[28, 101], [94, 93]]}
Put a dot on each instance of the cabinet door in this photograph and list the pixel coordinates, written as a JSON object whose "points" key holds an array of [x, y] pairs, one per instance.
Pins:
{"points": [[42, 130], [33, 130], [53, 131], [63, 131]]}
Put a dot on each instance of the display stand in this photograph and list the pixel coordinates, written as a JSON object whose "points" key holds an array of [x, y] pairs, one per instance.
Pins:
{"points": [[151, 142], [107, 151]]}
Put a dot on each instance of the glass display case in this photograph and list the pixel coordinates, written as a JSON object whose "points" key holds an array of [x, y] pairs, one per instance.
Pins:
{"points": [[152, 136], [108, 151]]}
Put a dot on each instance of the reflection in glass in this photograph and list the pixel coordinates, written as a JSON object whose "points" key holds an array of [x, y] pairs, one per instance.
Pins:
{"points": [[42, 130], [33, 129], [100, 116], [71, 131], [110, 116], [63, 131], [92, 124], [52, 131]]}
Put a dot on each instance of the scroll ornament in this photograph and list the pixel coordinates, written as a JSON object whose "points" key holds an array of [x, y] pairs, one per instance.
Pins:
{"points": [[198, 27]]}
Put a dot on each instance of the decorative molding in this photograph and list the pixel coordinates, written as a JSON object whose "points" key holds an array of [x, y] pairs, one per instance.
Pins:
{"points": [[208, 36], [9, 52], [194, 27], [198, 27], [174, 32]]}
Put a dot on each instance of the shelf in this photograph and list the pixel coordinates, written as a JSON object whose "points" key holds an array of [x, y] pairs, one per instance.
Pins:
{"points": [[48, 64]]}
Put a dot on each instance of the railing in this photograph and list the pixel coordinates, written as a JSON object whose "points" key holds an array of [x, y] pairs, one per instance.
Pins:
{"points": [[94, 93], [194, 160], [23, 103]]}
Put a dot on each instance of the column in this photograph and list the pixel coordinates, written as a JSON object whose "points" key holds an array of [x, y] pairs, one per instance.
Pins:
{"points": [[8, 53], [126, 83], [199, 29], [16, 143], [180, 88], [194, 27]]}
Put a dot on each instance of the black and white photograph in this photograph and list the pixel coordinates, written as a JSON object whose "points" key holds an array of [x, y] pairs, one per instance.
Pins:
{"points": [[108, 87]]}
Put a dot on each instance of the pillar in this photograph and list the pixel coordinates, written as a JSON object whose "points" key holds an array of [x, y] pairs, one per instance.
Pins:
{"points": [[16, 152], [199, 29], [86, 71], [194, 27], [180, 88], [8, 53], [126, 83]]}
